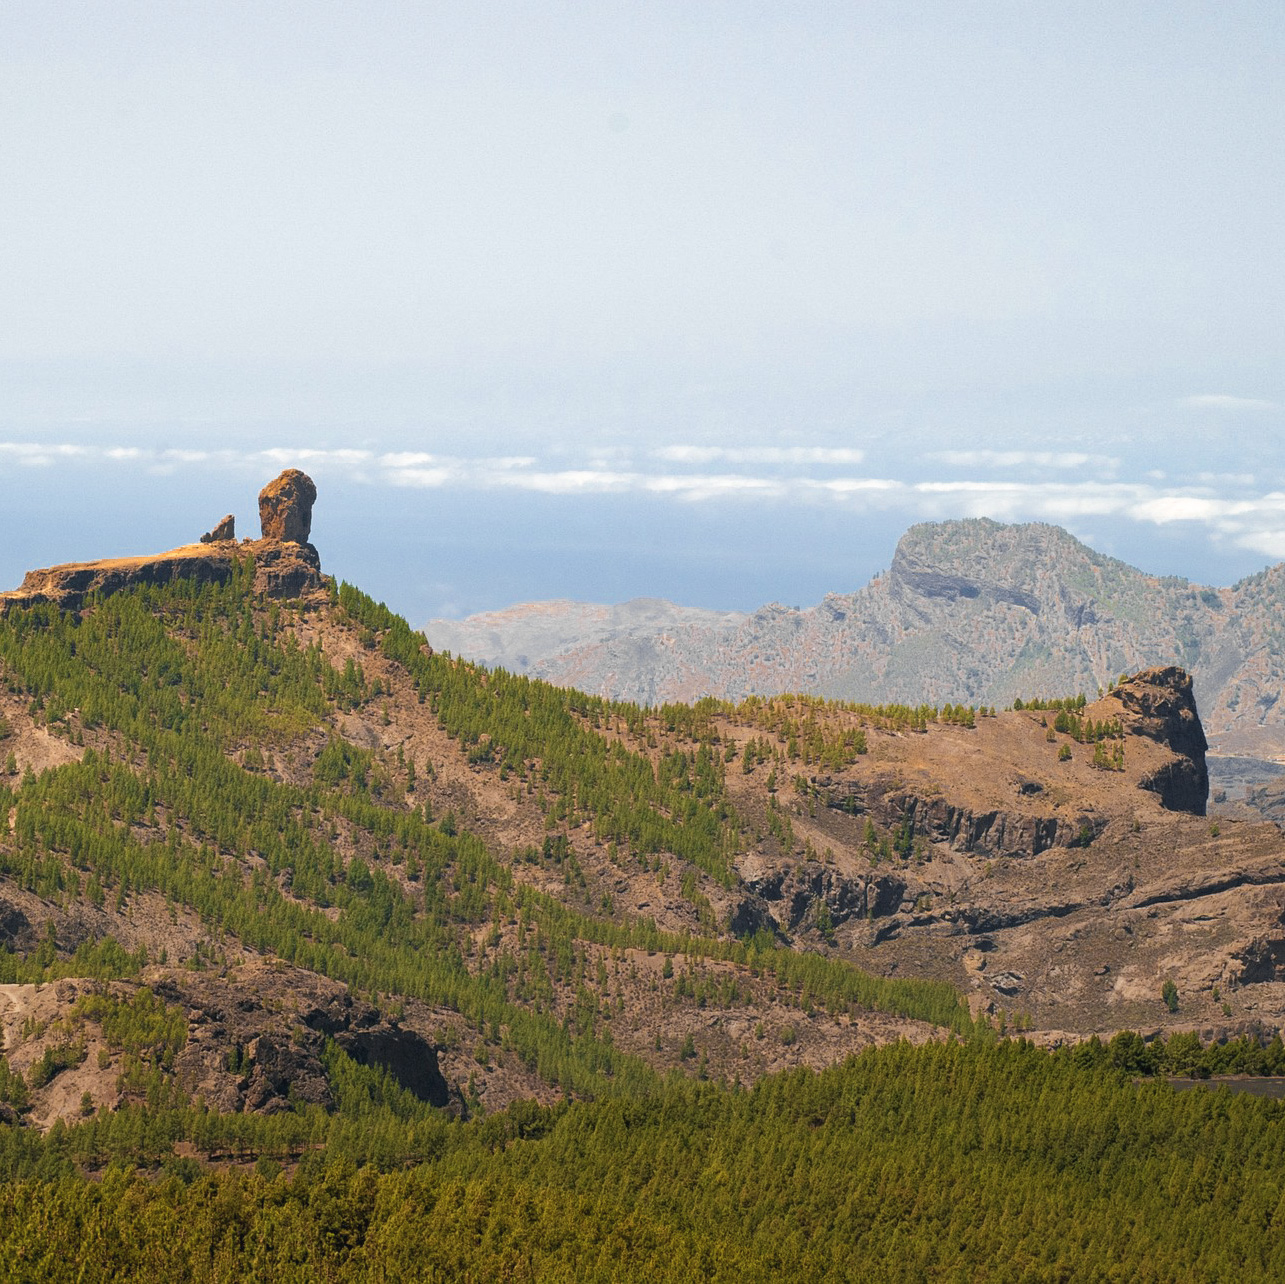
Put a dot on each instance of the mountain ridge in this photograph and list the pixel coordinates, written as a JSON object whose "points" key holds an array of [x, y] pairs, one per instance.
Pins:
{"points": [[971, 611]]}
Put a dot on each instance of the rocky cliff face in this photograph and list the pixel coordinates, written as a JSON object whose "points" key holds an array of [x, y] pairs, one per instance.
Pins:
{"points": [[277, 1019], [286, 566], [971, 611], [1159, 704], [284, 570], [254, 1040]]}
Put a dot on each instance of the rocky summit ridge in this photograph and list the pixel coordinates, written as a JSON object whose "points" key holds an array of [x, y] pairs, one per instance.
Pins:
{"points": [[285, 564], [971, 611]]}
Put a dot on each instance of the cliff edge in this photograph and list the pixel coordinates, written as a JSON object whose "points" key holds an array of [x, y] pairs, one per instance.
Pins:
{"points": [[285, 564], [1158, 703]]}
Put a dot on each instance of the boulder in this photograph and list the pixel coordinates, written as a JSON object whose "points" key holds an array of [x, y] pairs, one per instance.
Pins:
{"points": [[285, 507]]}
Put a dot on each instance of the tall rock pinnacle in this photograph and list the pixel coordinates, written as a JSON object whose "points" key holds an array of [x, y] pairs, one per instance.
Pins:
{"points": [[285, 507]]}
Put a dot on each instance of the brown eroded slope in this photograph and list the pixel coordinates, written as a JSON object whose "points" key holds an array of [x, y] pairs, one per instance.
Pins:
{"points": [[1041, 884]]}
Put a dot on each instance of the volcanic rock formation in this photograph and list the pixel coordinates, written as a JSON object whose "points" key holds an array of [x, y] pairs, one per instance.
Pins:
{"points": [[225, 530], [281, 1044], [285, 565], [285, 507], [1159, 704]]}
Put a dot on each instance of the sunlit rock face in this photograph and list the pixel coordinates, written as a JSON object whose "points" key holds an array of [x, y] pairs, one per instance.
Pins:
{"points": [[285, 507]]}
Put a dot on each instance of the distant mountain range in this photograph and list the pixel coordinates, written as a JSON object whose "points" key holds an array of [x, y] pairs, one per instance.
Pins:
{"points": [[973, 612]]}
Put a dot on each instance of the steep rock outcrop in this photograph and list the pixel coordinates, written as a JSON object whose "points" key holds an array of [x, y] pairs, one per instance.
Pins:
{"points": [[286, 565], [281, 570], [69, 585], [284, 570], [912, 574], [1261, 959], [249, 1053], [994, 832], [1158, 703], [285, 507], [16, 931], [792, 897], [225, 530]]}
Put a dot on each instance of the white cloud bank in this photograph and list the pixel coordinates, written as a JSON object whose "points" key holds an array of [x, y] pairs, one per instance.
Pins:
{"points": [[1221, 401], [1056, 459], [759, 454], [1251, 521], [32, 454]]}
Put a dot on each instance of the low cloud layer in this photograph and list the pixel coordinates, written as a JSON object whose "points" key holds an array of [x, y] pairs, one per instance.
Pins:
{"points": [[1039, 459], [759, 454], [1060, 487], [1222, 401]]}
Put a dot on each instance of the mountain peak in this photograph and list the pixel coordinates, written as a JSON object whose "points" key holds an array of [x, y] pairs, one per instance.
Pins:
{"points": [[992, 550]]}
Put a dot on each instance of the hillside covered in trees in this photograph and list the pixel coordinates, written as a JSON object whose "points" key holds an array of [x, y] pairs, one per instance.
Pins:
{"points": [[328, 954]]}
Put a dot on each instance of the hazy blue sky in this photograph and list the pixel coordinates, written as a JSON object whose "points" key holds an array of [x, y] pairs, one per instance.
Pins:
{"points": [[703, 301]]}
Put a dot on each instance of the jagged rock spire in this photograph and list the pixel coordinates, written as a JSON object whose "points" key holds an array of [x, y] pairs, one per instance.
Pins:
{"points": [[226, 529]]}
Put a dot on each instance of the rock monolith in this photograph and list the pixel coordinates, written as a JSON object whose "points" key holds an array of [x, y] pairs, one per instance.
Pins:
{"points": [[285, 507]]}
